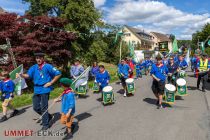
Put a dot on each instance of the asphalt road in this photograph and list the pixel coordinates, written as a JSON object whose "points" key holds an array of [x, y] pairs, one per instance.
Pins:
{"points": [[130, 118]]}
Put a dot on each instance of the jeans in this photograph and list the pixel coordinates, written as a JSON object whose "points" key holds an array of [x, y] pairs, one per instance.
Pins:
{"points": [[40, 105]]}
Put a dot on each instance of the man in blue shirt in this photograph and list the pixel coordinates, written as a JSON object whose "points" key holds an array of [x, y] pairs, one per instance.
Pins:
{"points": [[159, 73], [203, 67], [43, 76], [124, 72], [76, 69]]}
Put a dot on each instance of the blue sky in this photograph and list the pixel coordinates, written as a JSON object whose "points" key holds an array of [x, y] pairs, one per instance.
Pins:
{"points": [[180, 17]]}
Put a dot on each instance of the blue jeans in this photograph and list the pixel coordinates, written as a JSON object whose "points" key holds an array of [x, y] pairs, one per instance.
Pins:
{"points": [[40, 105], [138, 73]]}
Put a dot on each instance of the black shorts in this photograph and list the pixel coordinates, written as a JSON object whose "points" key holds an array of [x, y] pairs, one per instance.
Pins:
{"points": [[122, 79], [158, 87]]}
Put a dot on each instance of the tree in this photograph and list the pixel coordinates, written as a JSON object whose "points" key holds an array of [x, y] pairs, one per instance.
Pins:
{"points": [[81, 16], [39, 33], [201, 36]]}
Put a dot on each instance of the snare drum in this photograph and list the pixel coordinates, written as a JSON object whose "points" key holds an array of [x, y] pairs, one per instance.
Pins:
{"points": [[108, 96], [130, 85], [96, 87], [82, 89], [181, 87], [170, 93]]}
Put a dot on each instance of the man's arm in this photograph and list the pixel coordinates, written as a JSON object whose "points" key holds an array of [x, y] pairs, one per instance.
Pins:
{"points": [[157, 79], [53, 81]]}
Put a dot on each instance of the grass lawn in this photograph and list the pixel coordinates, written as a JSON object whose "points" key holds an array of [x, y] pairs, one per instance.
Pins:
{"points": [[26, 98]]}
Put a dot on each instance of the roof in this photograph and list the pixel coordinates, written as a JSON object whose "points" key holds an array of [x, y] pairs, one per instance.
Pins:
{"points": [[137, 33], [2, 10], [161, 37]]}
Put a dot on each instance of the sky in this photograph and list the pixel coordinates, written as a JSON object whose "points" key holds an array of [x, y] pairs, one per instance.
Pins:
{"points": [[179, 17]]}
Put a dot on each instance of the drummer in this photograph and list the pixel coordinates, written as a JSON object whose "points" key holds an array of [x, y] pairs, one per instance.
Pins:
{"points": [[159, 73], [102, 78], [172, 70], [182, 63], [203, 66], [124, 72]]}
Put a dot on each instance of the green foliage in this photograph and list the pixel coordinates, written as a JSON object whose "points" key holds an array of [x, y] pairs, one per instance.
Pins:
{"points": [[186, 43], [201, 36]]}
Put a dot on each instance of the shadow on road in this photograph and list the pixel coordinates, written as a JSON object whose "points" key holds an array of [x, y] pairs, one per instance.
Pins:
{"points": [[154, 101], [121, 91], [83, 116], [191, 88], [150, 101]]}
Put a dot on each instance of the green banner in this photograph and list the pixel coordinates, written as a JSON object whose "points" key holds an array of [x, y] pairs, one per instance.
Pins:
{"points": [[19, 82]]}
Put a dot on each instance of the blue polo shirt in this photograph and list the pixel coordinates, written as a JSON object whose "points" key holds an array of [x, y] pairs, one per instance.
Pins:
{"points": [[159, 72], [102, 78], [76, 70], [124, 69], [42, 76], [7, 87]]}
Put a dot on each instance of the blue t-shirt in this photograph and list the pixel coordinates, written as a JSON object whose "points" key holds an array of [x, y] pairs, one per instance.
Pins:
{"points": [[7, 87], [182, 64], [159, 72], [102, 78], [94, 70], [68, 102], [42, 76], [124, 69]]}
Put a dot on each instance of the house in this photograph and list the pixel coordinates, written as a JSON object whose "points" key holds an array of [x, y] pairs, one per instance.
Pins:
{"points": [[139, 38], [162, 42], [2, 11]]}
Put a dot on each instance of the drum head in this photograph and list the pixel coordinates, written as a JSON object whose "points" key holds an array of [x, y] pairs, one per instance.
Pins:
{"points": [[170, 87], [129, 80], [181, 82], [107, 89], [85, 83]]}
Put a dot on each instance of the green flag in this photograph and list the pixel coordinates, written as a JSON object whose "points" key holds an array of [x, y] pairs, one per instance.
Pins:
{"points": [[131, 49], [118, 34], [202, 47], [19, 82], [175, 46], [208, 43]]}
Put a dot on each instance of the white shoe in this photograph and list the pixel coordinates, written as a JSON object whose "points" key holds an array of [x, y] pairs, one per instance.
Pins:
{"points": [[125, 94]]}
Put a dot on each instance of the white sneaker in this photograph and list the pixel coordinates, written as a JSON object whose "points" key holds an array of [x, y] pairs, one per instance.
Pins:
{"points": [[125, 94]]}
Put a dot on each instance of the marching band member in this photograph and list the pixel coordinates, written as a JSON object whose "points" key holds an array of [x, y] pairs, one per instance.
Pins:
{"points": [[182, 62], [139, 67], [159, 73], [172, 70], [203, 66], [102, 78], [124, 72], [131, 65]]}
